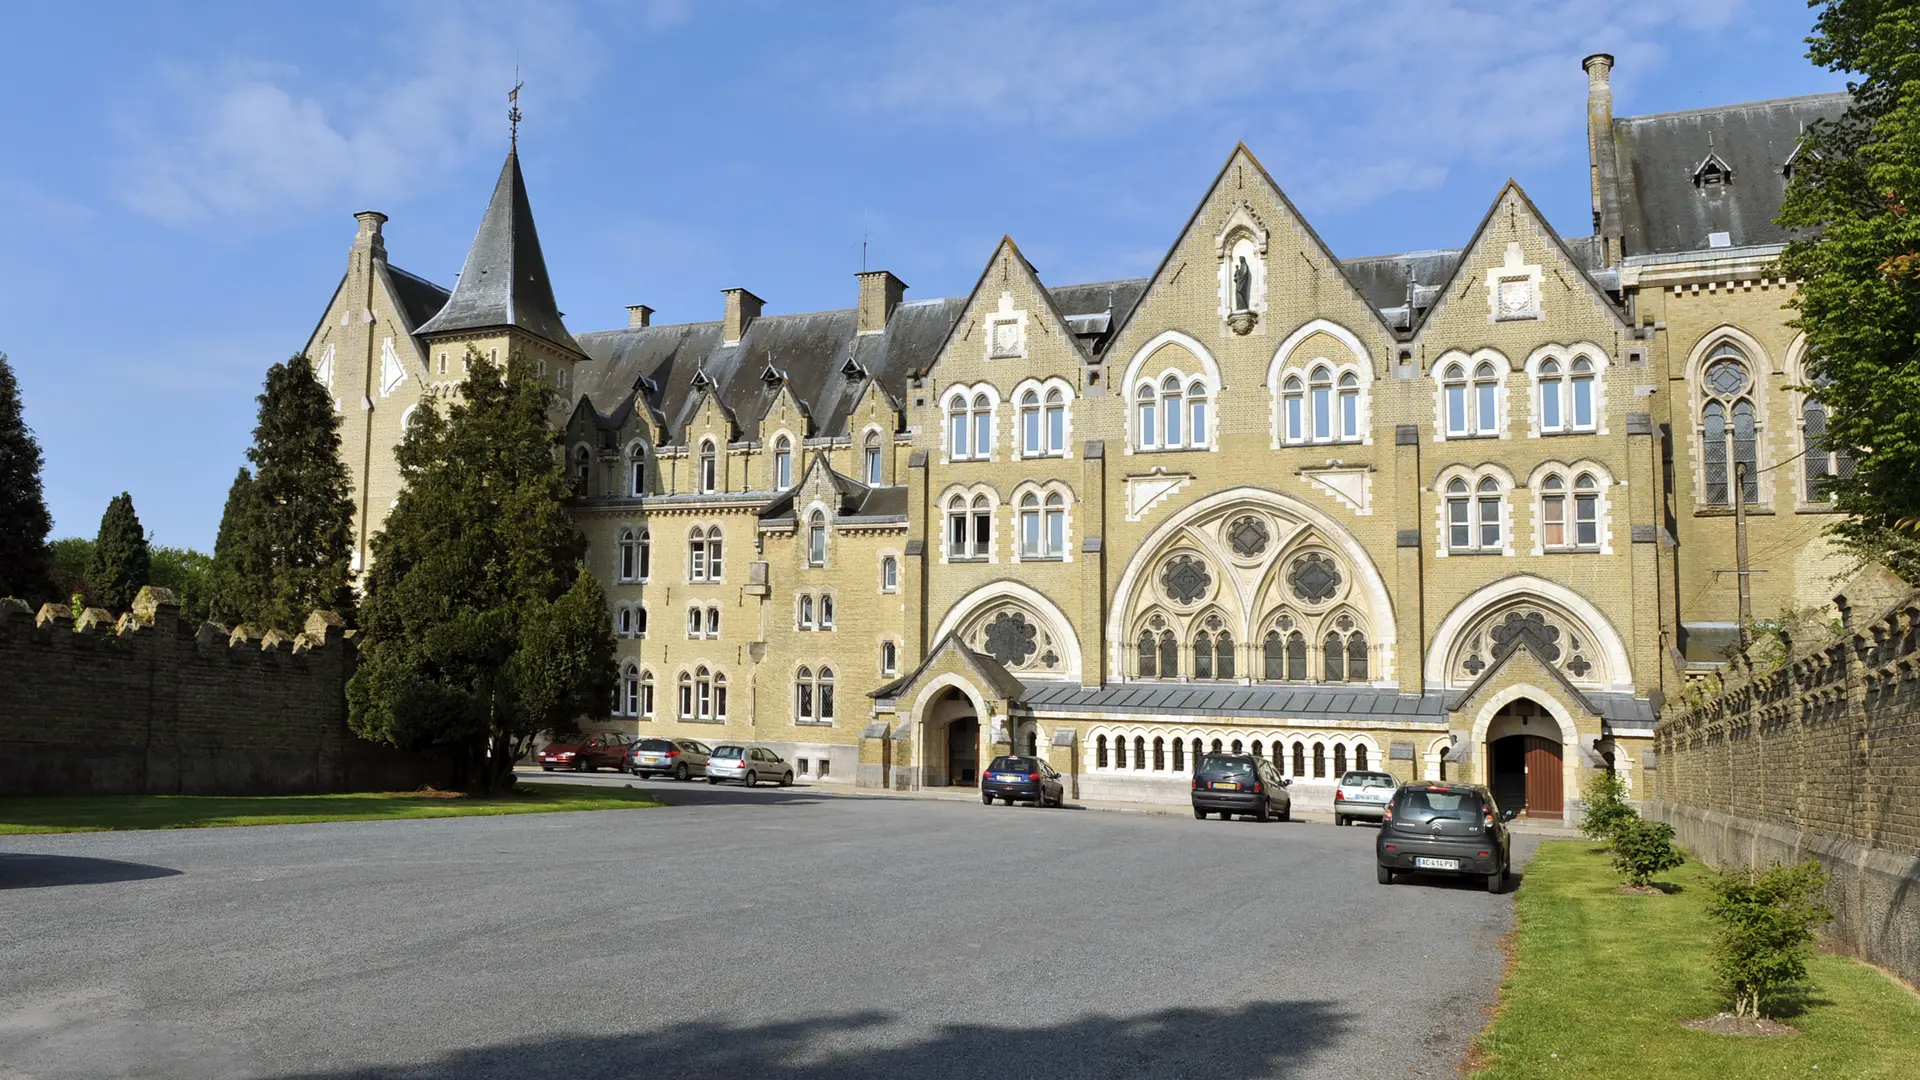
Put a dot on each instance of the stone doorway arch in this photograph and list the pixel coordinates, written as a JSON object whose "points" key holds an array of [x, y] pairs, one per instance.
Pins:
{"points": [[1526, 759]]}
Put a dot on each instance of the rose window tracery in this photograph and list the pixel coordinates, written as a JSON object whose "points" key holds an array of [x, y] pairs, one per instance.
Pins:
{"points": [[1248, 536], [1314, 578], [1551, 639], [1010, 638], [1185, 579]]}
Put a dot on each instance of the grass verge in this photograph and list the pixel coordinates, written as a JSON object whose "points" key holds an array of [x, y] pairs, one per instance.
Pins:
{"points": [[1600, 982], [119, 812]]}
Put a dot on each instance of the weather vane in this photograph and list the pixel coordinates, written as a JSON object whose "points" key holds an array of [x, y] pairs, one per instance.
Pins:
{"points": [[513, 109]]}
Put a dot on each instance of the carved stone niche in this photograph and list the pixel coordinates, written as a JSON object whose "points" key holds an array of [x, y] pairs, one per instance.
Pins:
{"points": [[1242, 322]]}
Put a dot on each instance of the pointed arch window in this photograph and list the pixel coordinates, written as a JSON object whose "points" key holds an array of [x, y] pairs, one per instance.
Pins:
{"points": [[1335, 652], [623, 622], [873, 458], [697, 555], [806, 611], [1172, 397], [1223, 655], [1349, 406], [1586, 511], [817, 538], [630, 690], [1553, 512], [582, 471], [1299, 759], [1099, 751], [646, 694], [1120, 751], [1149, 658], [713, 554], [889, 574], [1203, 655], [1453, 388], [1056, 421], [703, 689], [1179, 755], [629, 552], [1146, 416], [1320, 393], [1294, 403], [826, 611], [803, 695], [1474, 517], [1273, 653], [1197, 418], [1567, 396], [637, 471], [1486, 385], [686, 696], [1360, 758], [1169, 655], [1339, 759], [969, 528], [1319, 760], [1822, 463], [982, 426], [959, 427], [1552, 386], [889, 658], [824, 693], [1032, 442], [709, 468], [1159, 754], [1139, 752], [1729, 429], [782, 463]]}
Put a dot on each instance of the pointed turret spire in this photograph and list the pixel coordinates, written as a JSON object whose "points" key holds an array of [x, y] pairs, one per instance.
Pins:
{"points": [[504, 282]]}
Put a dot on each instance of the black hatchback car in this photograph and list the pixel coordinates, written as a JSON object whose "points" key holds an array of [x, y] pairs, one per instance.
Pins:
{"points": [[1444, 828], [1229, 784], [1022, 779]]}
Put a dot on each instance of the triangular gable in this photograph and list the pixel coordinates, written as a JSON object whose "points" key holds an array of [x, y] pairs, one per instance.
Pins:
{"points": [[786, 401], [1242, 154], [873, 399], [1469, 264], [951, 656], [703, 400], [1527, 666], [1059, 321]]}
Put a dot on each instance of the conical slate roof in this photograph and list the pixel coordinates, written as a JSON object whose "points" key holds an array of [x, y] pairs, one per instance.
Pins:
{"points": [[504, 282]]}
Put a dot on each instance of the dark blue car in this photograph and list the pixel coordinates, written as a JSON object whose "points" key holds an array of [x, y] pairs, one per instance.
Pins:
{"points": [[1022, 779]]}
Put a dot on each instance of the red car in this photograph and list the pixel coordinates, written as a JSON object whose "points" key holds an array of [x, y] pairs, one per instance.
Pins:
{"points": [[587, 751]]}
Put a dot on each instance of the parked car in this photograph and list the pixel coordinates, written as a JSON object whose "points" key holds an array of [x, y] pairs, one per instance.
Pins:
{"points": [[587, 751], [1026, 779], [1445, 828], [747, 764], [678, 758], [1362, 795], [1230, 784]]}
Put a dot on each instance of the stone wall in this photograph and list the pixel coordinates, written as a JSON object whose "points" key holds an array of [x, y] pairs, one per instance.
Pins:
{"points": [[148, 704], [1819, 757]]}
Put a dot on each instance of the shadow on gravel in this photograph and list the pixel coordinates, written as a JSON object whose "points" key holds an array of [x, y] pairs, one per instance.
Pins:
{"points": [[1264, 1039], [48, 871]]}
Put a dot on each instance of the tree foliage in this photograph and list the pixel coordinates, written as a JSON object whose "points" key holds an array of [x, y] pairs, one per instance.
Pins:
{"points": [[189, 574], [480, 628], [286, 537], [121, 562], [24, 521], [1606, 807], [1854, 197], [1643, 848], [1765, 931]]}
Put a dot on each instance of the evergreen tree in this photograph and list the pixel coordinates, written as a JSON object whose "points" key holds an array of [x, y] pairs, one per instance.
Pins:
{"points": [[121, 562], [1854, 192], [479, 627], [24, 521], [189, 574], [293, 550], [234, 587]]}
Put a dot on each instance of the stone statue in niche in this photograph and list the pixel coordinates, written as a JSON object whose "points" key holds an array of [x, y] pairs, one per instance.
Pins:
{"points": [[1242, 318]]}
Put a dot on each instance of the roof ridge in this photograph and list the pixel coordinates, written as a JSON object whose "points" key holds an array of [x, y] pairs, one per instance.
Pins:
{"points": [[1762, 103]]}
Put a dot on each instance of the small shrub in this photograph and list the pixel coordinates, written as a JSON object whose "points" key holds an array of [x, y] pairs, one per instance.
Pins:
{"points": [[1645, 848], [1606, 807], [1766, 920]]}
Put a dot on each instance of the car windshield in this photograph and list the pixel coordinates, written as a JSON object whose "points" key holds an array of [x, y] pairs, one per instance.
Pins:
{"points": [[729, 751], [1226, 766], [1366, 780], [1428, 804], [1014, 764], [653, 746]]}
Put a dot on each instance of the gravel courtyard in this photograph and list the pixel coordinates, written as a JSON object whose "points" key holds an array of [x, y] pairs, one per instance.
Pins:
{"points": [[773, 933]]}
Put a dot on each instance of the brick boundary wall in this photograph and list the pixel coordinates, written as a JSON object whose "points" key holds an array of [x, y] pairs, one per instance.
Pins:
{"points": [[1818, 757], [148, 704]]}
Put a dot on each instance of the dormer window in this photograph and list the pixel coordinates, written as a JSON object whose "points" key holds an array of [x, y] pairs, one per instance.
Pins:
{"points": [[709, 468], [1712, 174]]}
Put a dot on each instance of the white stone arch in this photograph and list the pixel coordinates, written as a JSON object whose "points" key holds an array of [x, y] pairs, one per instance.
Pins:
{"points": [[1209, 374], [967, 494], [1368, 580], [1569, 735], [1061, 627], [1040, 488], [1566, 354], [1569, 471], [794, 458], [1760, 368], [1359, 361], [1432, 758], [969, 391], [1522, 587], [803, 523], [1469, 362], [1041, 386], [1472, 474]]}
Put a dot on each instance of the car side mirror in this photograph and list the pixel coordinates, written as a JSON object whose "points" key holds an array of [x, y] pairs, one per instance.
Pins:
{"points": [[1509, 815], [1284, 782]]}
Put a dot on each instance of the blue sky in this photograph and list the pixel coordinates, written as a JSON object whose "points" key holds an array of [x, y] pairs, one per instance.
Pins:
{"points": [[177, 191]]}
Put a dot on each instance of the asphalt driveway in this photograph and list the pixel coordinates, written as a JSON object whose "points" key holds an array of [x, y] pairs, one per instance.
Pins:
{"points": [[774, 933]]}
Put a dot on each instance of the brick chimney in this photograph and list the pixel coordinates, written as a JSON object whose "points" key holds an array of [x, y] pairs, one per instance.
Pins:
{"points": [[639, 315], [880, 293], [742, 308], [369, 236], [1603, 165]]}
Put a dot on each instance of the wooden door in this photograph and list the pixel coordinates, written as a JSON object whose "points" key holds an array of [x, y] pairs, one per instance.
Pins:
{"points": [[1544, 795]]}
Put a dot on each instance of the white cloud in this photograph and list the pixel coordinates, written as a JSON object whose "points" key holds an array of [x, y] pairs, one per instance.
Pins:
{"points": [[1355, 99], [254, 140]]}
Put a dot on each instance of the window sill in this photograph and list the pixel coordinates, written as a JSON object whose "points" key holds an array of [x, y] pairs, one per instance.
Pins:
{"points": [[1043, 558], [1308, 444], [1594, 550], [1545, 434], [703, 720], [813, 723], [1448, 436], [1815, 508], [1753, 510], [1170, 449], [1461, 553], [967, 559]]}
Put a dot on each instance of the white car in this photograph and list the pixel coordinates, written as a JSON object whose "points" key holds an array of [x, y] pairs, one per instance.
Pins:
{"points": [[1362, 795], [748, 764]]}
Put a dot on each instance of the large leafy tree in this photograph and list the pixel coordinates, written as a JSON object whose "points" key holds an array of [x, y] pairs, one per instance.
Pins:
{"points": [[1854, 193], [24, 522], [189, 574], [121, 561], [480, 628], [289, 542]]}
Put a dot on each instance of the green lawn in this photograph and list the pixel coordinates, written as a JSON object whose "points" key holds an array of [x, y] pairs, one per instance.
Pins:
{"points": [[96, 814], [1600, 981]]}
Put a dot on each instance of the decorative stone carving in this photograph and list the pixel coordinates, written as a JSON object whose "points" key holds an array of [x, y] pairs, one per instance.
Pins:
{"points": [[1314, 578], [1513, 288], [1010, 638], [1185, 579], [1249, 536], [1540, 636]]}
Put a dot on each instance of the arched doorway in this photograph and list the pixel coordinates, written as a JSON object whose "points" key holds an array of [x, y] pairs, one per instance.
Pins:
{"points": [[1524, 763], [963, 752]]}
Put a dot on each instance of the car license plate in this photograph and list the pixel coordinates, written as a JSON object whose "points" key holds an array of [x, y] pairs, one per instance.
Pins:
{"points": [[1218, 786], [1437, 864], [651, 759]]}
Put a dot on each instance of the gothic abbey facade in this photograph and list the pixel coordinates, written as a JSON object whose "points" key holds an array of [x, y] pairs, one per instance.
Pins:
{"points": [[1461, 513]]}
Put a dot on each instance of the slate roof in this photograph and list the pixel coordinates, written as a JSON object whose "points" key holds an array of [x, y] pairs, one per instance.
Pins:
{"points": [[1266, 702], [504, 281], [1663, 210], [420, 299], [857, 502]]}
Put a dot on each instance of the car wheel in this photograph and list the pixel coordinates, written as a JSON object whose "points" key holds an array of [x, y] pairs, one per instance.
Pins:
{"points": [[546, 768], [986, 799], [1497, 881], [787, 780], [1199, 814], [1287, 813], [1384, 874], [1265, 813], [680, 772], [753, 779], [713, 780]]}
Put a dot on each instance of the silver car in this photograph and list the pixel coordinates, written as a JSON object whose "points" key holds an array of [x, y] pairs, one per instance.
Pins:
{"points": [[1362, 796], [747, 764], [678, 758]]}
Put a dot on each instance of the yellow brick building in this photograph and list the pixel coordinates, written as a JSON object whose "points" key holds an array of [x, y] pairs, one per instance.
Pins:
{"points": [[1462, 513]]}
